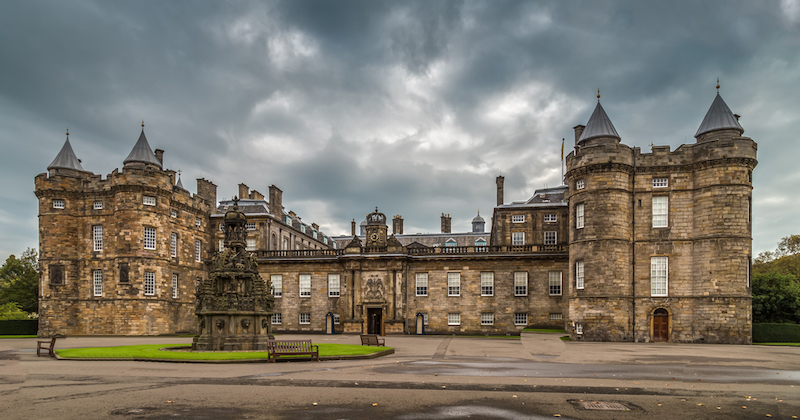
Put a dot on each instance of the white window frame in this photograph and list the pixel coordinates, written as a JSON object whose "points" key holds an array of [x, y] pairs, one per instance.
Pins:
{"points": [[250, 244], [221, 227], [660, 182], [520, 318], [659, 276], [305, 285], [580, 184], [221, 245], [305, 318], [555, 283], [197, 222], [148, 200], [551, 237], [97, 205], [550, 217], [487, 283], [579, 216], [198, 250], [579, 275], [97, 282], [521, 283], [334, 285], [480, 242], [422, 284], [517, 238], [660, 211], [173, 213], [336, 319], [97, 238], [59, 204], [277, 319], [453, 284], [173, 245], [453, 319], [250, 226], [149, 283], [487, 318], [277, 285], [517, 218], [424, 318], [174, 285], [556, 316], [150, 238]]}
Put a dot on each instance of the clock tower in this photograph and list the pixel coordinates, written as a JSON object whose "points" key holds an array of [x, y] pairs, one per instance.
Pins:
{"points": [[376, 229]]}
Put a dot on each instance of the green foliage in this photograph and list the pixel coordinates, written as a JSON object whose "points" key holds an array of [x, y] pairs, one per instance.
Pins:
{"points": [[19, 281], [151, 351], [776, 333], [776, 298], [11, 310]]}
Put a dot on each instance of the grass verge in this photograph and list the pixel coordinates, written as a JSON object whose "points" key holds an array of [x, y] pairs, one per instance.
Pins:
{"points": [[151, 351], [18, 336], [777, 344], [545, 330]]}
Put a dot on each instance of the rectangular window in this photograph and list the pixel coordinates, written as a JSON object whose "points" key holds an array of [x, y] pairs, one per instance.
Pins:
{"points": [[197, 222], [314, 234], [579, 216], [97, 205], [325, 240], [579, 184], [520, 318], [550, 238], [277, 319], [549, 218], [221, 227], [660, 182], [556, 317], [333, 285], [521, 283], [173, 214], [517, 238], [487, 284], [58, 204], [149, 238], [303, 228], [305, 318], [198, 250], [658, 276], [250, 226], [305, 285], [173, 245], [660, 206], [289, 220], [336, 319], [149, 283], [97, 282], [487, 318], [97, 237], [555, 283], [518, 218], [425, 319], [251, 244], [579, 275], [453, 319], [221, 245], [174, 286], [277, 285], [453, 284], [422, 284], [148, 201]]}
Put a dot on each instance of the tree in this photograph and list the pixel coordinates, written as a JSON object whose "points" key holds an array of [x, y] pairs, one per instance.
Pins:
{"points": [[784, 260], [19, 281], [11, 310], [776, 298]]}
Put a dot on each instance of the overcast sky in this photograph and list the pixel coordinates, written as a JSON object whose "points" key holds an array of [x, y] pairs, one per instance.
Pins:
{"points": [[414, 107]]}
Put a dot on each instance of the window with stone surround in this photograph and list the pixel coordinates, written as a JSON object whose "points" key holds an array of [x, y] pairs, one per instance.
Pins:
{"points": [[56, 274], [660, 182], [660, 210], [453, 284], [422, 284], [250, 244], [487, 284], [97, 237], [521, 283], [124, 271], [97, 282], [336, 319], [556, 317], [658, 276], [453, 319], [487, 318], [550, 237], [174, 286], [198, 250], [197, 222], [518, 218], [305, 318], [97, 205], [333, 285], [173, 245], [277, 319], [305, 285], [149, 238], [221, 245], [173, 214], [580, 184], [250, 226], [424, 318], [148, 200], [480, 242], [58, 204], [579, 222], [149, 283], [579, 275], [517, 238], [555, 283], [550, 218], [520, 318], [314, 234], [277, 285]]}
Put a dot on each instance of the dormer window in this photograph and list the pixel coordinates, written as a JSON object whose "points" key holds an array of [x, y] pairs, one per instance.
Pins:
{"points": [[450, 242], [314, 234], [660, 182], [289, 220], [303, 228], [58, 204]]}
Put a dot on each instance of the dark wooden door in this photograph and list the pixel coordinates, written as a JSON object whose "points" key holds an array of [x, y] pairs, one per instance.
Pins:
{"points": [[660, 327], [374, 321]]}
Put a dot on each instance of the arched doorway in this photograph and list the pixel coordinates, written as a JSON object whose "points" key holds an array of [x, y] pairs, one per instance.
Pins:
{"points": [[660, 325]]}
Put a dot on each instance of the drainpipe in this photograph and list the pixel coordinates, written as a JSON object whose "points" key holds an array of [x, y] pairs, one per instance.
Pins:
{"points": [[633, 250], [406, 279]]}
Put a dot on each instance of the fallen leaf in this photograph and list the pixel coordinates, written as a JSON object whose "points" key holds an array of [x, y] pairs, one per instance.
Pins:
{"points": [[744, 406], [313, 403], [513, 396], [374, 404], [719, 408], [659, 405]]}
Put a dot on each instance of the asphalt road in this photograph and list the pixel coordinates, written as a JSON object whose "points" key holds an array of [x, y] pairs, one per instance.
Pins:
{"points": [[428, 377]]}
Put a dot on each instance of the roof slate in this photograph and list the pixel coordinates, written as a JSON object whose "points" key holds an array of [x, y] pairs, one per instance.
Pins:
{"points": [[66, 159], [142, 153], [718, 117], [599, 125]]}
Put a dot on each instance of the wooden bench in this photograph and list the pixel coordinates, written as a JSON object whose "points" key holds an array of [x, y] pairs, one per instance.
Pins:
{"points": [[277, 348], [48, 345], [372, 340]]}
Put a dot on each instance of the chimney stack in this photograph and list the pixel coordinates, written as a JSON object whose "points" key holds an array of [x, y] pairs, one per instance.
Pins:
{"points": [[353, 227], [578, 131], [276, 201], [397, 225], [208, 191], [445, 223], [499, 182], [160, 156], [244, 191]]}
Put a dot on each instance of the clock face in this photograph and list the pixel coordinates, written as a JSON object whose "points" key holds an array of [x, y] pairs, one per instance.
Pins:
{"points": [[374, 237]]}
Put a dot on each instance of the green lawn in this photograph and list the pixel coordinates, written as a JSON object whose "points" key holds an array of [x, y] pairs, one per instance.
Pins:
{"points": [[777, 344], [545, 330], [151, 351], [18, 336]]}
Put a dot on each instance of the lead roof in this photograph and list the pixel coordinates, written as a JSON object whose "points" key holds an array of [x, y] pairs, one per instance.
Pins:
{"points": [[66, 159], [142, 153], [599, 125], [718, 117]]}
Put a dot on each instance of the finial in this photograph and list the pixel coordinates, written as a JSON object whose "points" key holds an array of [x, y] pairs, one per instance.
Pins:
{"points": [[598, 94], [142, 125], [717, 84], [376, 209], [67, 133]]}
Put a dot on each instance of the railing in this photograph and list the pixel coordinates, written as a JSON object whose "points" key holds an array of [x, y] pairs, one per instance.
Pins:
{"points": [[300, 253], [455, 250]]}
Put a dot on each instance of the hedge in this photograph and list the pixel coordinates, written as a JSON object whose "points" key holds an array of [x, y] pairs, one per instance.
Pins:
{"points": [[19, 327], [776, 333]]}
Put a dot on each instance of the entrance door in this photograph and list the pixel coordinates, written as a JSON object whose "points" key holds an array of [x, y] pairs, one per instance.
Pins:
{"points": [[374, 323], [660, 325]]}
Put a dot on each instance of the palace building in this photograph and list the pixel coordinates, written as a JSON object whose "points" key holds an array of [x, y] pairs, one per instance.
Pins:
{"points": [[634, 247]]}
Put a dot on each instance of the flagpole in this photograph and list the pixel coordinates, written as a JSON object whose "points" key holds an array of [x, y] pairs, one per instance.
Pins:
{"points": [[562, 161]]}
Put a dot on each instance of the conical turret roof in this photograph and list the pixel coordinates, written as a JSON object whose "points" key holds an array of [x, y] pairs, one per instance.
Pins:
{"points": [[718, 117], [599, 125], [142, 153], [66, 159], [179, 184]]}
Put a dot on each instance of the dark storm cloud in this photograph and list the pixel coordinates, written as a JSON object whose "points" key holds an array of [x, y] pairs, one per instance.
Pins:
{"points": [[411, 106]]}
